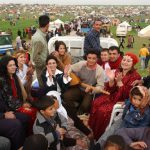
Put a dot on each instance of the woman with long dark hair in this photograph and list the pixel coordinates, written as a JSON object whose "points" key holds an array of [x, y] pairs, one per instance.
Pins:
{"points": [[12, 91], [12, 95], [63, 57], [10, 85]]}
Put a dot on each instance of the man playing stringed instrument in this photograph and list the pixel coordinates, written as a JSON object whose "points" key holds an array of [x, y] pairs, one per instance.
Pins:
{"points": [[91, 77]]}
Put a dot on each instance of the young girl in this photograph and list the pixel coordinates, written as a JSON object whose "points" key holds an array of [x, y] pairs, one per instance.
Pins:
{"points": [[137, 110], [62, 55]]}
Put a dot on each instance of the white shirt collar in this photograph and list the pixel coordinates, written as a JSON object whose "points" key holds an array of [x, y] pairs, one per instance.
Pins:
{"points": [[56, 72]]}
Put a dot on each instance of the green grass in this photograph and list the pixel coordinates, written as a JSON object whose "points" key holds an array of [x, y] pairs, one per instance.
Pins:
{"points": [[20, 24]]}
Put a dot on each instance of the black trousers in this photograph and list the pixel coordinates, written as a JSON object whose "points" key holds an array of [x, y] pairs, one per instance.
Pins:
{"points": [[14, 130]]}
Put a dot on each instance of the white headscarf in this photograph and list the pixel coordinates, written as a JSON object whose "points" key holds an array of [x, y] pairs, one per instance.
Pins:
{"points": [[61, 108]]}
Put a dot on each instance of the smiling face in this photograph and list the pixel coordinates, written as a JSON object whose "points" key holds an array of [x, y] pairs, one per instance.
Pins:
{"points": [[127, 63], [21, 59], [52, 65], [104, 56], [91, 60], [62, 50], [113, 55], [11, 67]]}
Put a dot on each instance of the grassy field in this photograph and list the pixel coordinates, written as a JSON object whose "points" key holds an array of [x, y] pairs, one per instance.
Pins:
{"points": [[23, 23], [20, 24]]}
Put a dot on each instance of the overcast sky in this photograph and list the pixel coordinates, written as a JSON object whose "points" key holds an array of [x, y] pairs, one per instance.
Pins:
{"points": [[80, 2]]}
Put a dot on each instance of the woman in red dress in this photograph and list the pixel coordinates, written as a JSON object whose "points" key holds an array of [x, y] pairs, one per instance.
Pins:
{"points": [[119, 85]]}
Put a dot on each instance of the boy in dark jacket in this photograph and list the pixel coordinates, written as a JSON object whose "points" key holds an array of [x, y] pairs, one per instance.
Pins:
{"points": [[52, 125]]}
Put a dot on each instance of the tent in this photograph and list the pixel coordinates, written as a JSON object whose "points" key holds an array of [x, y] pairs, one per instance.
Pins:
{"points": [[55, 24], [125, 25], [58, 22], [52, 26], [123, 28], [144, 32]]}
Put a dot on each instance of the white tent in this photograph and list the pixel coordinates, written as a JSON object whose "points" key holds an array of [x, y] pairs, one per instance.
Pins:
{"points": [[58, 22], [144, 32], [55, 24], [126, 25], [123, 28], [52, 26]]}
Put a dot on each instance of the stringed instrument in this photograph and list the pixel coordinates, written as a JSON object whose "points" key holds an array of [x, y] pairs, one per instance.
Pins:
{"points": [[76, 81]]}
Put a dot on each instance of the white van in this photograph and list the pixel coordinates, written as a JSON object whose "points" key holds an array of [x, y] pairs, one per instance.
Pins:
{"points": [[121, 31], [123, 28], [75, 44]]}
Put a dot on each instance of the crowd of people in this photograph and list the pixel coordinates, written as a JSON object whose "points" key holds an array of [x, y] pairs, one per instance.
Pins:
{"points": [[68, 106]]}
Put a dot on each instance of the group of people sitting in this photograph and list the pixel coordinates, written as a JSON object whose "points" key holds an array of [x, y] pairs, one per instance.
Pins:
{"points": [[66, 92]]}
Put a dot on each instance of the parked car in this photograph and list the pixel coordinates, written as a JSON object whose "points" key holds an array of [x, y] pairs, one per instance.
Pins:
{"points": [[6, 43]]}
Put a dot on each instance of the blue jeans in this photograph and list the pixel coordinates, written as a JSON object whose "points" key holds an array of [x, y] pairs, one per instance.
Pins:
{"points": [[143, 58]]}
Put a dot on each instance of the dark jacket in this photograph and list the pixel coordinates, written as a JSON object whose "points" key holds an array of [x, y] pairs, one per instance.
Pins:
{"points": [[132, 117], [58, 79], [48, 128], [92, 41], [10, 103]]}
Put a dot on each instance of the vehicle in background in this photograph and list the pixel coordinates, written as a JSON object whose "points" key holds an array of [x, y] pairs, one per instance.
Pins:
{"points": [[85, 27], [6, 43], [75, 45], [123, 28], [121, 31]]}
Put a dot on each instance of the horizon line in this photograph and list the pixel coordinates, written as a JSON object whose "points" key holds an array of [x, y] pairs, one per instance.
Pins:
{"points": [[77, 4]]}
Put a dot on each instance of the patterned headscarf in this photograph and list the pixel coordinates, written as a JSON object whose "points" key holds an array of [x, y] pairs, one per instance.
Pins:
{"points": [[146, 96]]}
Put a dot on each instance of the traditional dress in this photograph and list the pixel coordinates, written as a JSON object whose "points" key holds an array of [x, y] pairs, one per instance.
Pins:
{"points": [[102, 106]]}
